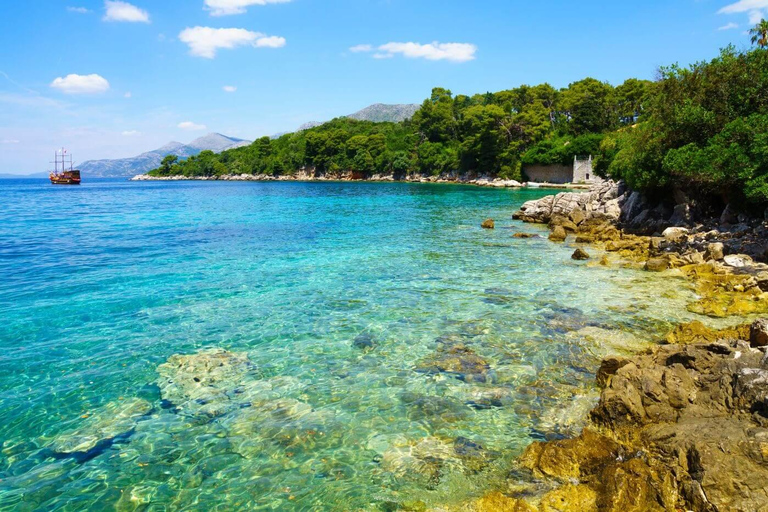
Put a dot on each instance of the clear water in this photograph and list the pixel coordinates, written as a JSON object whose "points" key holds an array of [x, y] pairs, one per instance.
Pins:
{"points": [[103, 283]]}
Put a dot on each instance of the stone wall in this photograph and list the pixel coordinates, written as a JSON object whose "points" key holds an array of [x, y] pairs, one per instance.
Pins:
{"points": [[549, 173]]}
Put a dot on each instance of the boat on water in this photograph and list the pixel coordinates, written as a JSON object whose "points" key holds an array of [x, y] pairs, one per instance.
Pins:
{"points": [[64, 176]]}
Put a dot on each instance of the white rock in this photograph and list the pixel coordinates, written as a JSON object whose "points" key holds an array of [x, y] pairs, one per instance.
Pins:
{"points": [[674, 234], [738, 260]]}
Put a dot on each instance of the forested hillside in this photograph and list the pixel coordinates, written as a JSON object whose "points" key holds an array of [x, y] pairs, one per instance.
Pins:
{"points": [[702, 128]]}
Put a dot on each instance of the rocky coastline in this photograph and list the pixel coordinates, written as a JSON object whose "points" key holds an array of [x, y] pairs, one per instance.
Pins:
{"points": [[303, 176], [682, 425]]}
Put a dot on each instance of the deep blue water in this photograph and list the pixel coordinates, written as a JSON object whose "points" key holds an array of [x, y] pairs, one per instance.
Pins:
{"points": [[103, 283]]}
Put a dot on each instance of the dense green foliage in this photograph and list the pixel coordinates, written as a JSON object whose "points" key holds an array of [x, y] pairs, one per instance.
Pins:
{"points": [[702, 129], [492, 133], [706, 131]]}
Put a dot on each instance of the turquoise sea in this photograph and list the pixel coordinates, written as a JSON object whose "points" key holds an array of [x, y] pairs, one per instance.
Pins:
{"points": [[379, 350]]}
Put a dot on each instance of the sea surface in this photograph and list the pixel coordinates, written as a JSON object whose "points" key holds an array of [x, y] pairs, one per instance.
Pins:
{"points": [[383, 351]]}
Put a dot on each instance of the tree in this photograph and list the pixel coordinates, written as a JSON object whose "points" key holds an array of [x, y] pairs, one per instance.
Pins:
{"points": [[760, 34], [589, 107], [168, 162]]}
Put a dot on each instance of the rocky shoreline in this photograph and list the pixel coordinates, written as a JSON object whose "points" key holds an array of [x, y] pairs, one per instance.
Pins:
{"points": [[684, 424], [451, 178]]}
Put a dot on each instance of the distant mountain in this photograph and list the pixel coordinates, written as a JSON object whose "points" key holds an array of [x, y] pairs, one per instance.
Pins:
{"points": [[23, 176], [145, 162], [377, 113], [380, 113]]}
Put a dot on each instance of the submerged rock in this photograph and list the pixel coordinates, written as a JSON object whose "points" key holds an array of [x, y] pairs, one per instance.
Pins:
{"points": [[488, 224], [580, 255], [209, 382], [114, 420], [558, 234], [460, 361]]}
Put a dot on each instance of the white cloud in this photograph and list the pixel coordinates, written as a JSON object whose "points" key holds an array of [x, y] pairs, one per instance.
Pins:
{"points": [[755, 17], [454, 52], [131, 133], [127, 95], [270, 42], [383, 55], [123, 11], [205, 41], [9, 141], [78, 10], [189, 125], [229, 88], [81, 84], [227, 7], [744, 6], [361, 48], [729, 26]]}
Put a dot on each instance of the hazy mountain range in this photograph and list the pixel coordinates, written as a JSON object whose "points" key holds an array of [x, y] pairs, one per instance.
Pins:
{"points": [[216, 142], [377, 113], [145, 162]]}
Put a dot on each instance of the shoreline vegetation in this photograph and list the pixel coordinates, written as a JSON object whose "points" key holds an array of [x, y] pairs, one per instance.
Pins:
{"points": [[454, 179]]}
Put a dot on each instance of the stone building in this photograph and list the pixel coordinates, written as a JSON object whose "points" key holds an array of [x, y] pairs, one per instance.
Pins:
{"points": [[581, 172]]}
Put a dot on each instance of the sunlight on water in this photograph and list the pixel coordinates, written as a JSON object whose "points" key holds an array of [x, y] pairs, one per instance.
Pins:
{"points": [[288, 346]]}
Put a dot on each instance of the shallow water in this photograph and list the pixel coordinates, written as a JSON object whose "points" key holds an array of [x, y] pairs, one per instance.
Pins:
{"points": [[103, 283]]}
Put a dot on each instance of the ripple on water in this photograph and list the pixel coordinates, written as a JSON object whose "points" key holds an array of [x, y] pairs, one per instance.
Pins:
{"points": [[290, 346]]}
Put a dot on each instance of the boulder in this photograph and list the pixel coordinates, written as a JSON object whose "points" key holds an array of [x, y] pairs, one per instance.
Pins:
{"points": [[558, 234], [580, 255], [675, 234], [657, 264], [738, 260], [758, 334], [525, 235], [578, 216], [729, 215], [488, 224], [715, 251]]}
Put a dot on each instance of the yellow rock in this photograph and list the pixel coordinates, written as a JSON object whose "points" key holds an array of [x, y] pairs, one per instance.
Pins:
{"points": [[570, 498], [697, 332], [497, 502]]}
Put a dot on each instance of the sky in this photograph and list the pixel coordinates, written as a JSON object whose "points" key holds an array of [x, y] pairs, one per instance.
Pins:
{"points": [[112, 79]]}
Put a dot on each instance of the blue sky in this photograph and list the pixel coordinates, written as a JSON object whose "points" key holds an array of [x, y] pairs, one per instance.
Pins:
{"points": [[112, 79]]}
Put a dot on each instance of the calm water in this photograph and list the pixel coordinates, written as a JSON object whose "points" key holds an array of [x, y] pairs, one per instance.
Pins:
{"points": [[340, 296]]}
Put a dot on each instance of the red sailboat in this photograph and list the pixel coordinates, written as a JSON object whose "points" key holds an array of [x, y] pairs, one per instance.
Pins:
{"points": [[65, 177]]}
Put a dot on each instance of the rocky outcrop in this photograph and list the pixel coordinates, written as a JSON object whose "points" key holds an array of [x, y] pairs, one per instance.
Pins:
{"points": [[488, 224], [683, 426], [603, 200]]}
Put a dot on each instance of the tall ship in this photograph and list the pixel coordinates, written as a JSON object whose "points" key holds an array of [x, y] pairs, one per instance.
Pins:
{"points": [[62, 175]]}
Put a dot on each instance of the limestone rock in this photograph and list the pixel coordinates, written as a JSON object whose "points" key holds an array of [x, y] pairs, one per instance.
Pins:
{"points": [[488, 224], [578, 216], [570, 498], [525, 235], [558, 234], [758, 335], [675, 234], [570, 458], [715, 251], [580, 255], [657, 264], [205, 382], [738, 260]]}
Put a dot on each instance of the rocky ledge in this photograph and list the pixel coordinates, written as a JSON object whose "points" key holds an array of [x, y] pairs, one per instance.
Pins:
{"points": [[724, 260], [683, 426]]}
